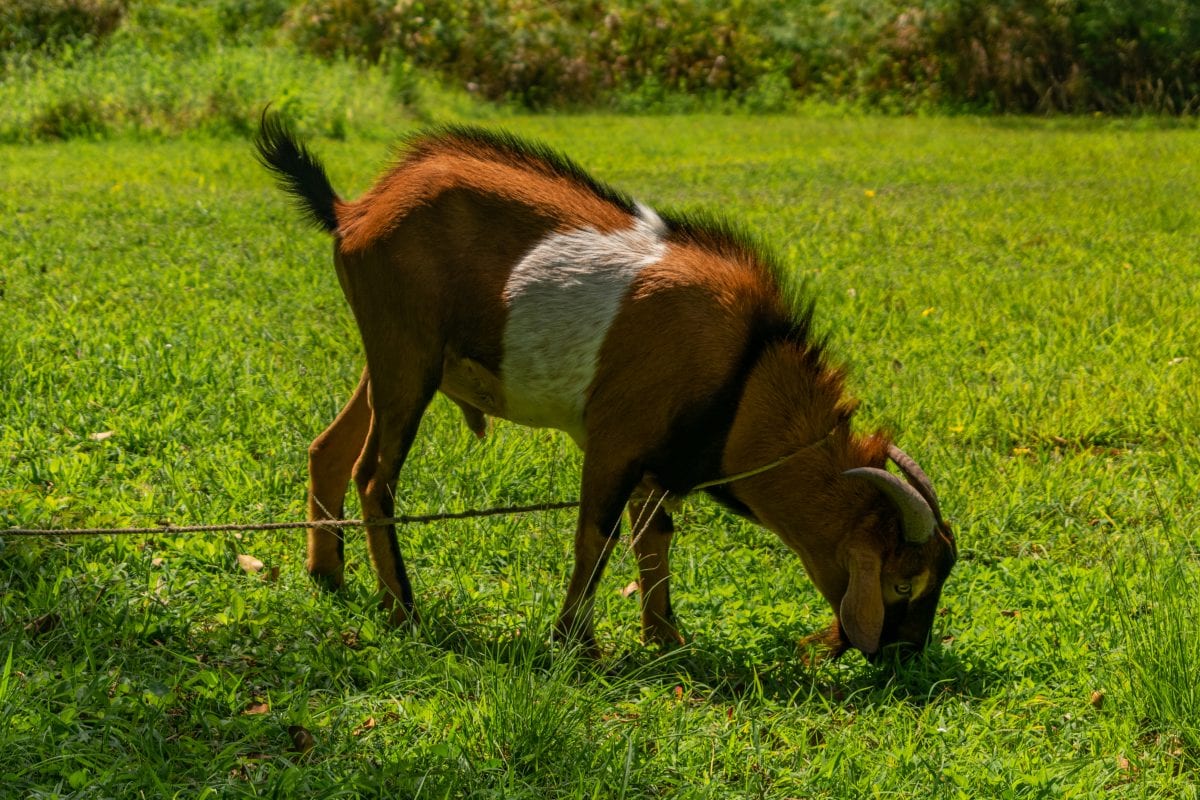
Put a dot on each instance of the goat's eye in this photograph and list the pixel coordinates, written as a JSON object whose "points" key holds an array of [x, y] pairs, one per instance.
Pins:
{"points": [[903, 589]]}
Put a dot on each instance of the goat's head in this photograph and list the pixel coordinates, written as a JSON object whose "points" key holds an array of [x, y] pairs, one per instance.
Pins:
{"points": [[896, 560], [875, 545], [873, 542]]}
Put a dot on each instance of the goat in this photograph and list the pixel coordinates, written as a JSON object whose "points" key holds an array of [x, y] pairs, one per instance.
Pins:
{"points": [[671, 348]]}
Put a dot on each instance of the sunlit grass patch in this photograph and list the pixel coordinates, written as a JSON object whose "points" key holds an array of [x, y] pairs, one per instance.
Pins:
{"points": [[172, 339]]}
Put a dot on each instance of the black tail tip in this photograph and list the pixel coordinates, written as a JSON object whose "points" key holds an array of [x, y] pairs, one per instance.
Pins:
{"points": [[297, 171]]}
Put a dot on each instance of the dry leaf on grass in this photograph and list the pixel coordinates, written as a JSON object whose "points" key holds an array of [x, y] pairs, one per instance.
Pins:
{"points": [[249, 563], [1127, 770]]}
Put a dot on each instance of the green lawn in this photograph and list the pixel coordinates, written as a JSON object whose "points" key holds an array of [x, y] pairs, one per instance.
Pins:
{"points": [[1019, 302]]}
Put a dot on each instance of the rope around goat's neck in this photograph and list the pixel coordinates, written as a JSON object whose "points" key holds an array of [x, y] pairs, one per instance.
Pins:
{"points": [[750, 473]]}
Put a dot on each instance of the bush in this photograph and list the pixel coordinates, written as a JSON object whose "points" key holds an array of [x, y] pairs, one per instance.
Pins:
{"points": [[250, 20], [27, 25], [86, 67], [1050, 55], [992, 55], [569, 54], [180, 65], [1142, 55], [221, 91]]}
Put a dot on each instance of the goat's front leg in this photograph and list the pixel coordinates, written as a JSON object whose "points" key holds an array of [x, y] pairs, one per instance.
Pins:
{"points": [[331, 459], [602, 497], [397, 404], [652, 529]]}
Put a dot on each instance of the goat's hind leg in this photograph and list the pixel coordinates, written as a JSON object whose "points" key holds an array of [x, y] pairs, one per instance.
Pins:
{"points": [[331, 459], [397, 404]]}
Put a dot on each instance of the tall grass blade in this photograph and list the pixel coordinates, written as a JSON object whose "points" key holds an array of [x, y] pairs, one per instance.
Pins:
{"points": [[1160, 634]]}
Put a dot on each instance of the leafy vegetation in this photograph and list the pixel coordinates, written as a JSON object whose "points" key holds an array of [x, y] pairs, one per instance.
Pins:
{"points": [[51, 25], [170, 68], [998, 55], [85, 68], [1017, 301]]}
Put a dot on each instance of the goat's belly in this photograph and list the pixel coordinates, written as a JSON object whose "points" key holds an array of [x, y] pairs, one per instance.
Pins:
{"points": [[540, 402], [552, 342], [548, 398]]}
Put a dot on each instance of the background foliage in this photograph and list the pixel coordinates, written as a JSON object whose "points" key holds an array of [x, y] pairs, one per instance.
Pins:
{"points": [[997, 55], [84, 67]]}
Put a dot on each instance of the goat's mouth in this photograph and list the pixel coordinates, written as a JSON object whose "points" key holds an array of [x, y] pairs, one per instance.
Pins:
{"points": [[899, 651], [827, 644], [907, 628]]}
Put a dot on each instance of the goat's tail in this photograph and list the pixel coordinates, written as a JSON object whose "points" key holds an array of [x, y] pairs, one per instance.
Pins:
{"points": [[297, 171]]}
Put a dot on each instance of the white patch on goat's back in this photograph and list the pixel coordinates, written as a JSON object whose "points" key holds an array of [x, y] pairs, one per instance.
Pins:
{"points": [[562, 298]]}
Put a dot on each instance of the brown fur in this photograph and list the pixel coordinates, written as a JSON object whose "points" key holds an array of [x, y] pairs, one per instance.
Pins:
{"points": [[449, 166], [704, 371]]}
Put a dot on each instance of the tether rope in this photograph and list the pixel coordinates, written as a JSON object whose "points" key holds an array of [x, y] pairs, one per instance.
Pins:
{"points": [[406, 519]]}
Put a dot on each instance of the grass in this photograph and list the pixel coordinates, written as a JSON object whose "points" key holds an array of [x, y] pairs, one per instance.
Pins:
{"points": [[176, 67], [88, 94], [1018, 301]]}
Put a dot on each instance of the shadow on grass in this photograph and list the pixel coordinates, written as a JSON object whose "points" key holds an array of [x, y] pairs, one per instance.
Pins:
{"points": [[730, 674], [345, 643]]}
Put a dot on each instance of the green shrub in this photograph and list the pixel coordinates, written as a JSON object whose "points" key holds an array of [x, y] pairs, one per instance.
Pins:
{"points": [[129, 88], [992, 55], [569, 54], [250, 20], [1144, 55], [86, 67], [1043, 55], [67, 118], [173, 30], [27, 25]]}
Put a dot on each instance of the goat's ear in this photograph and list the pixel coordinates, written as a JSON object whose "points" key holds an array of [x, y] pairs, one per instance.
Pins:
{"points": [[861, 614]]}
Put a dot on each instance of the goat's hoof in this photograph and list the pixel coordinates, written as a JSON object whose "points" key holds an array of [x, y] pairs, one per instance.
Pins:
{"points": [[327, 579], [663, 636], [399, 614], [583, 642]]}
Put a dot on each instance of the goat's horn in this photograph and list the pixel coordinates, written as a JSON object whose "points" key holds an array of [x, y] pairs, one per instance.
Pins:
{"points": [[916, 515], [917, 477]]}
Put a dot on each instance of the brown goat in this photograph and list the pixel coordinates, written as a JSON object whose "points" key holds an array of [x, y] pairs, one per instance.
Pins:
{"points": [[668, 347]]}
